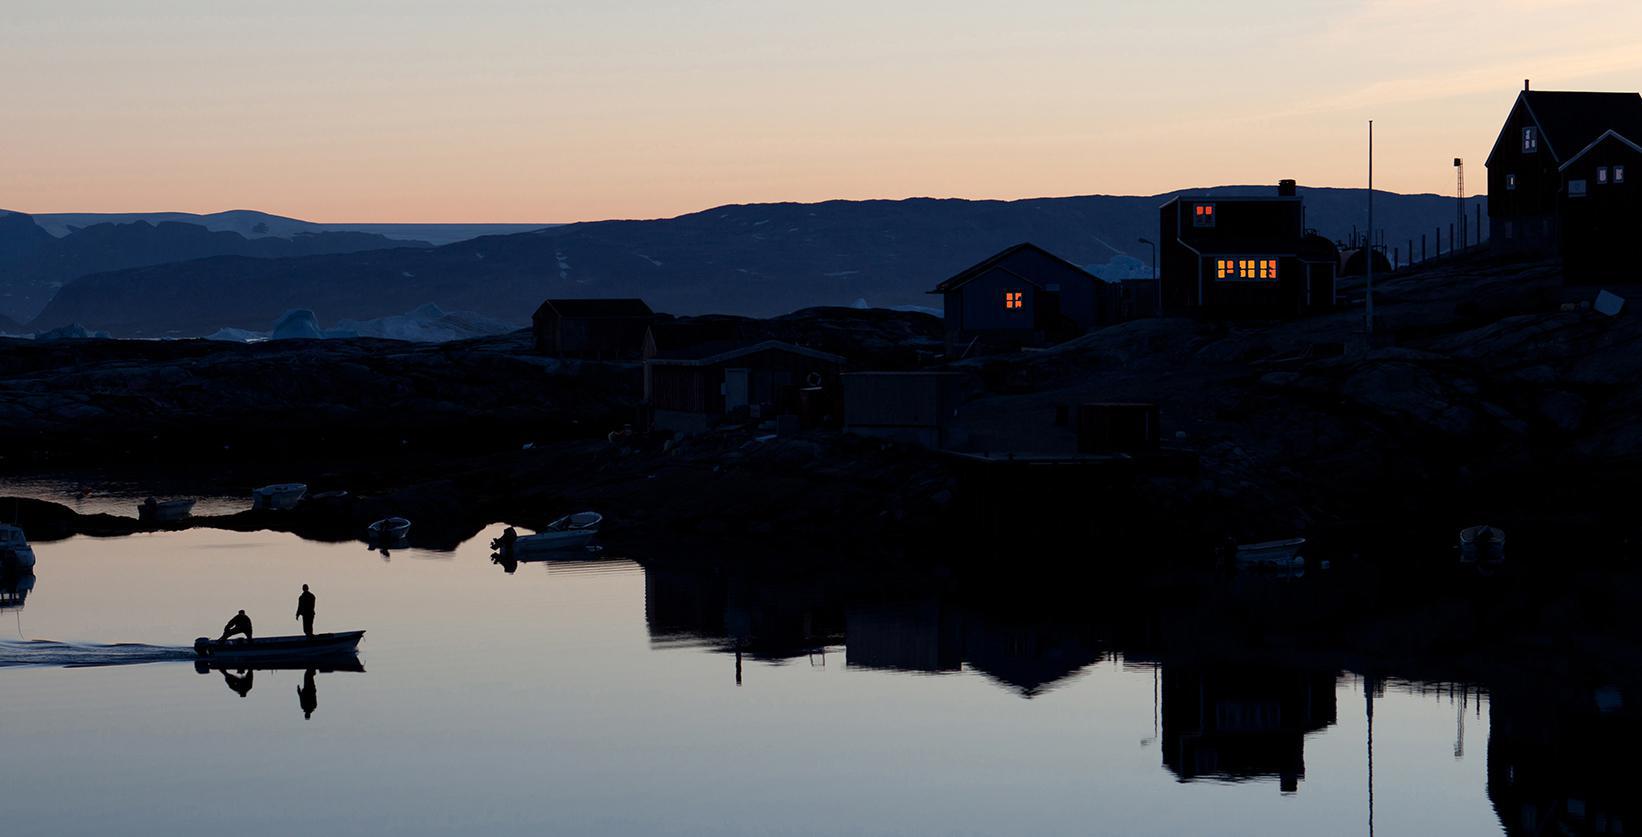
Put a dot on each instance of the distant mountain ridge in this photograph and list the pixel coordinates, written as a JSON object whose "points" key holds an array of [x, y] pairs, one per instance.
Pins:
{"points": [[253, 224], [34, 263], [755, 259]]}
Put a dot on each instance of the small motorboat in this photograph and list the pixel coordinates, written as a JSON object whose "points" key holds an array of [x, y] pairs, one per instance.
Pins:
{"points": [[278, 646], [154, 510], [389, 529], [15, 552], [1484, 544], [568, 532], [279, 497], [1275, 555]]}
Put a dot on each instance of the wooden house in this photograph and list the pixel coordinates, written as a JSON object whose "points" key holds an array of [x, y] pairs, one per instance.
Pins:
{"points": [[914, 407], [1024, 296], [1242, 256], [689, 389], [606, 329], [1562, 180]]}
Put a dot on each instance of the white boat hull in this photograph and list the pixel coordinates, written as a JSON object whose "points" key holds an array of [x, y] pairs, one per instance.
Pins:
{"points": [[278, 497], [553, 541]]}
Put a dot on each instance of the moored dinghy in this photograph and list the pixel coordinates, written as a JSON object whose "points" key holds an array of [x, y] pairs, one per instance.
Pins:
{"points": [[389, 530], [1274, 555], [279, 646], [568, 532], [1483, 543], [278, 497], [154, 510]]}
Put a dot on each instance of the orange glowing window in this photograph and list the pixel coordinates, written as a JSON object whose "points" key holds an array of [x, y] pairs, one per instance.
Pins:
{"points": [[1014, 299], [1203, 215], [1255, 270]]}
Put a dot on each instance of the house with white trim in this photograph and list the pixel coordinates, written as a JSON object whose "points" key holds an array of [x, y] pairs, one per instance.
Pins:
{"points": [[1562, 178]]}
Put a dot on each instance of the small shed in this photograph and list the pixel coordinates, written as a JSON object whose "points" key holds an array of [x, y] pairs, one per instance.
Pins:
{"points": [[915, 407], [690, 389], [607, 329]]}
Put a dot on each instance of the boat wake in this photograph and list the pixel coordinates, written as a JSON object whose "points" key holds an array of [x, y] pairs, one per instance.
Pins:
{"points": [[14, 654]]}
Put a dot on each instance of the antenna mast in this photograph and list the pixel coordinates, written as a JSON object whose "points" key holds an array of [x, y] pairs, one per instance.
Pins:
{"points": [[1459, 207]]}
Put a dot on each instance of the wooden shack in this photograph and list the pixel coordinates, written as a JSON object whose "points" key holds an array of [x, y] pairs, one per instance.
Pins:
{"points": [[604, 329], [914, 407], [693, 388]]}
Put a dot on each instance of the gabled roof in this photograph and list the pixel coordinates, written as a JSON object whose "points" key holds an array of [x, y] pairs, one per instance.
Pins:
{"points": [[583, 309], [1569, 121], [1598, 141], [709, 354], [976, 271]]}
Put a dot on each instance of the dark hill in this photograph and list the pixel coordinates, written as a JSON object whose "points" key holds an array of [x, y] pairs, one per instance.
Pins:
{"points": [[756, 260], [34, 264]]}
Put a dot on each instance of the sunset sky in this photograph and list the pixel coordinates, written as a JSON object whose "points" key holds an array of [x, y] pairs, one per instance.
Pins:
{"points": [[537, 110]]}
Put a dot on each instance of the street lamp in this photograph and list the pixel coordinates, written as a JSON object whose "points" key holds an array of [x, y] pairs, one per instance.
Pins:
{"points": [[1156, 288]]}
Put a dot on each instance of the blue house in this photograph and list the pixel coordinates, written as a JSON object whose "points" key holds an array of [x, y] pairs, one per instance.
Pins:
{"points": [[1024, 296]]}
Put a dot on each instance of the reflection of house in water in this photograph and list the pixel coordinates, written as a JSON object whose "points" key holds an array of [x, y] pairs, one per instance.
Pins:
{"points": [[920, 634], [1563, 767], [769, 619], [1240, 724], [778, 619]]}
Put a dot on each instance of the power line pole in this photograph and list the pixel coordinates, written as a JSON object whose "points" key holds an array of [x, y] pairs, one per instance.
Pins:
{"points": [[1369, 326]]}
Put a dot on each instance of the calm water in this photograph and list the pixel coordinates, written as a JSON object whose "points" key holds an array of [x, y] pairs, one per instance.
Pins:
{"points": [[596, 698]]}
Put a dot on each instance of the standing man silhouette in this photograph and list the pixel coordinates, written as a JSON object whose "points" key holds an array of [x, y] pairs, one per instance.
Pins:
{"points": [[305, 610], [307, 696]]}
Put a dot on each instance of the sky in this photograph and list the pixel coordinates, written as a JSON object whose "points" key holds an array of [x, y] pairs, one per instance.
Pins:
{"points": [[540, 110]]}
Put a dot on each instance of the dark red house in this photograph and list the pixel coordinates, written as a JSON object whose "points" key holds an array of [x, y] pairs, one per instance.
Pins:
{"points": [[1243, 256], [1562, 179]]}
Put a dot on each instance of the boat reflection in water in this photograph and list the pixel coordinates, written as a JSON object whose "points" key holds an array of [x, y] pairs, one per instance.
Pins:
{"points": [[240, 675], [15, 589]]}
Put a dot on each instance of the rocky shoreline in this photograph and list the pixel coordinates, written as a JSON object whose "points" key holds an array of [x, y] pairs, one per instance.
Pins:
{"points": [[1481, 399]]}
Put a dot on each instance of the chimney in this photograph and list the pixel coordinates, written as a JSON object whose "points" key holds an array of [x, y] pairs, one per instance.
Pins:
{"points": [[1285, 188], [1525, 86]]}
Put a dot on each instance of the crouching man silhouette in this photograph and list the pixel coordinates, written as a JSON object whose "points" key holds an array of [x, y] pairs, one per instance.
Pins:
{"points": [[240, 624]]}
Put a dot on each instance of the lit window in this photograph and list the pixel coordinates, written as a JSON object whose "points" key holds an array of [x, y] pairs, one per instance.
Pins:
{"points": [[1530, 141], [1576, 188], [1203, 215], [1619, 174], [1601, 175], [1014, 299], [1254, 270], [1510, 181]]}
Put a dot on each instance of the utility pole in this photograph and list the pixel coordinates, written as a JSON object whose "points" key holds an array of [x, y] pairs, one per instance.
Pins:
{"points": [[1369, 325]]}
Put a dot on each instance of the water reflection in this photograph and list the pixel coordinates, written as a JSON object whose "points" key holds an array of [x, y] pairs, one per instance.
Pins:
{"points": [[1563, 762], [15, 589], [783, 618], [240, 676], [1237, 724]]}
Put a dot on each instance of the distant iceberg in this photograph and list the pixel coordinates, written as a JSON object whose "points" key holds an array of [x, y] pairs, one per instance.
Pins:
{"points": [[426, 324], [1120, 268], [299, 324], [74, 331]]}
